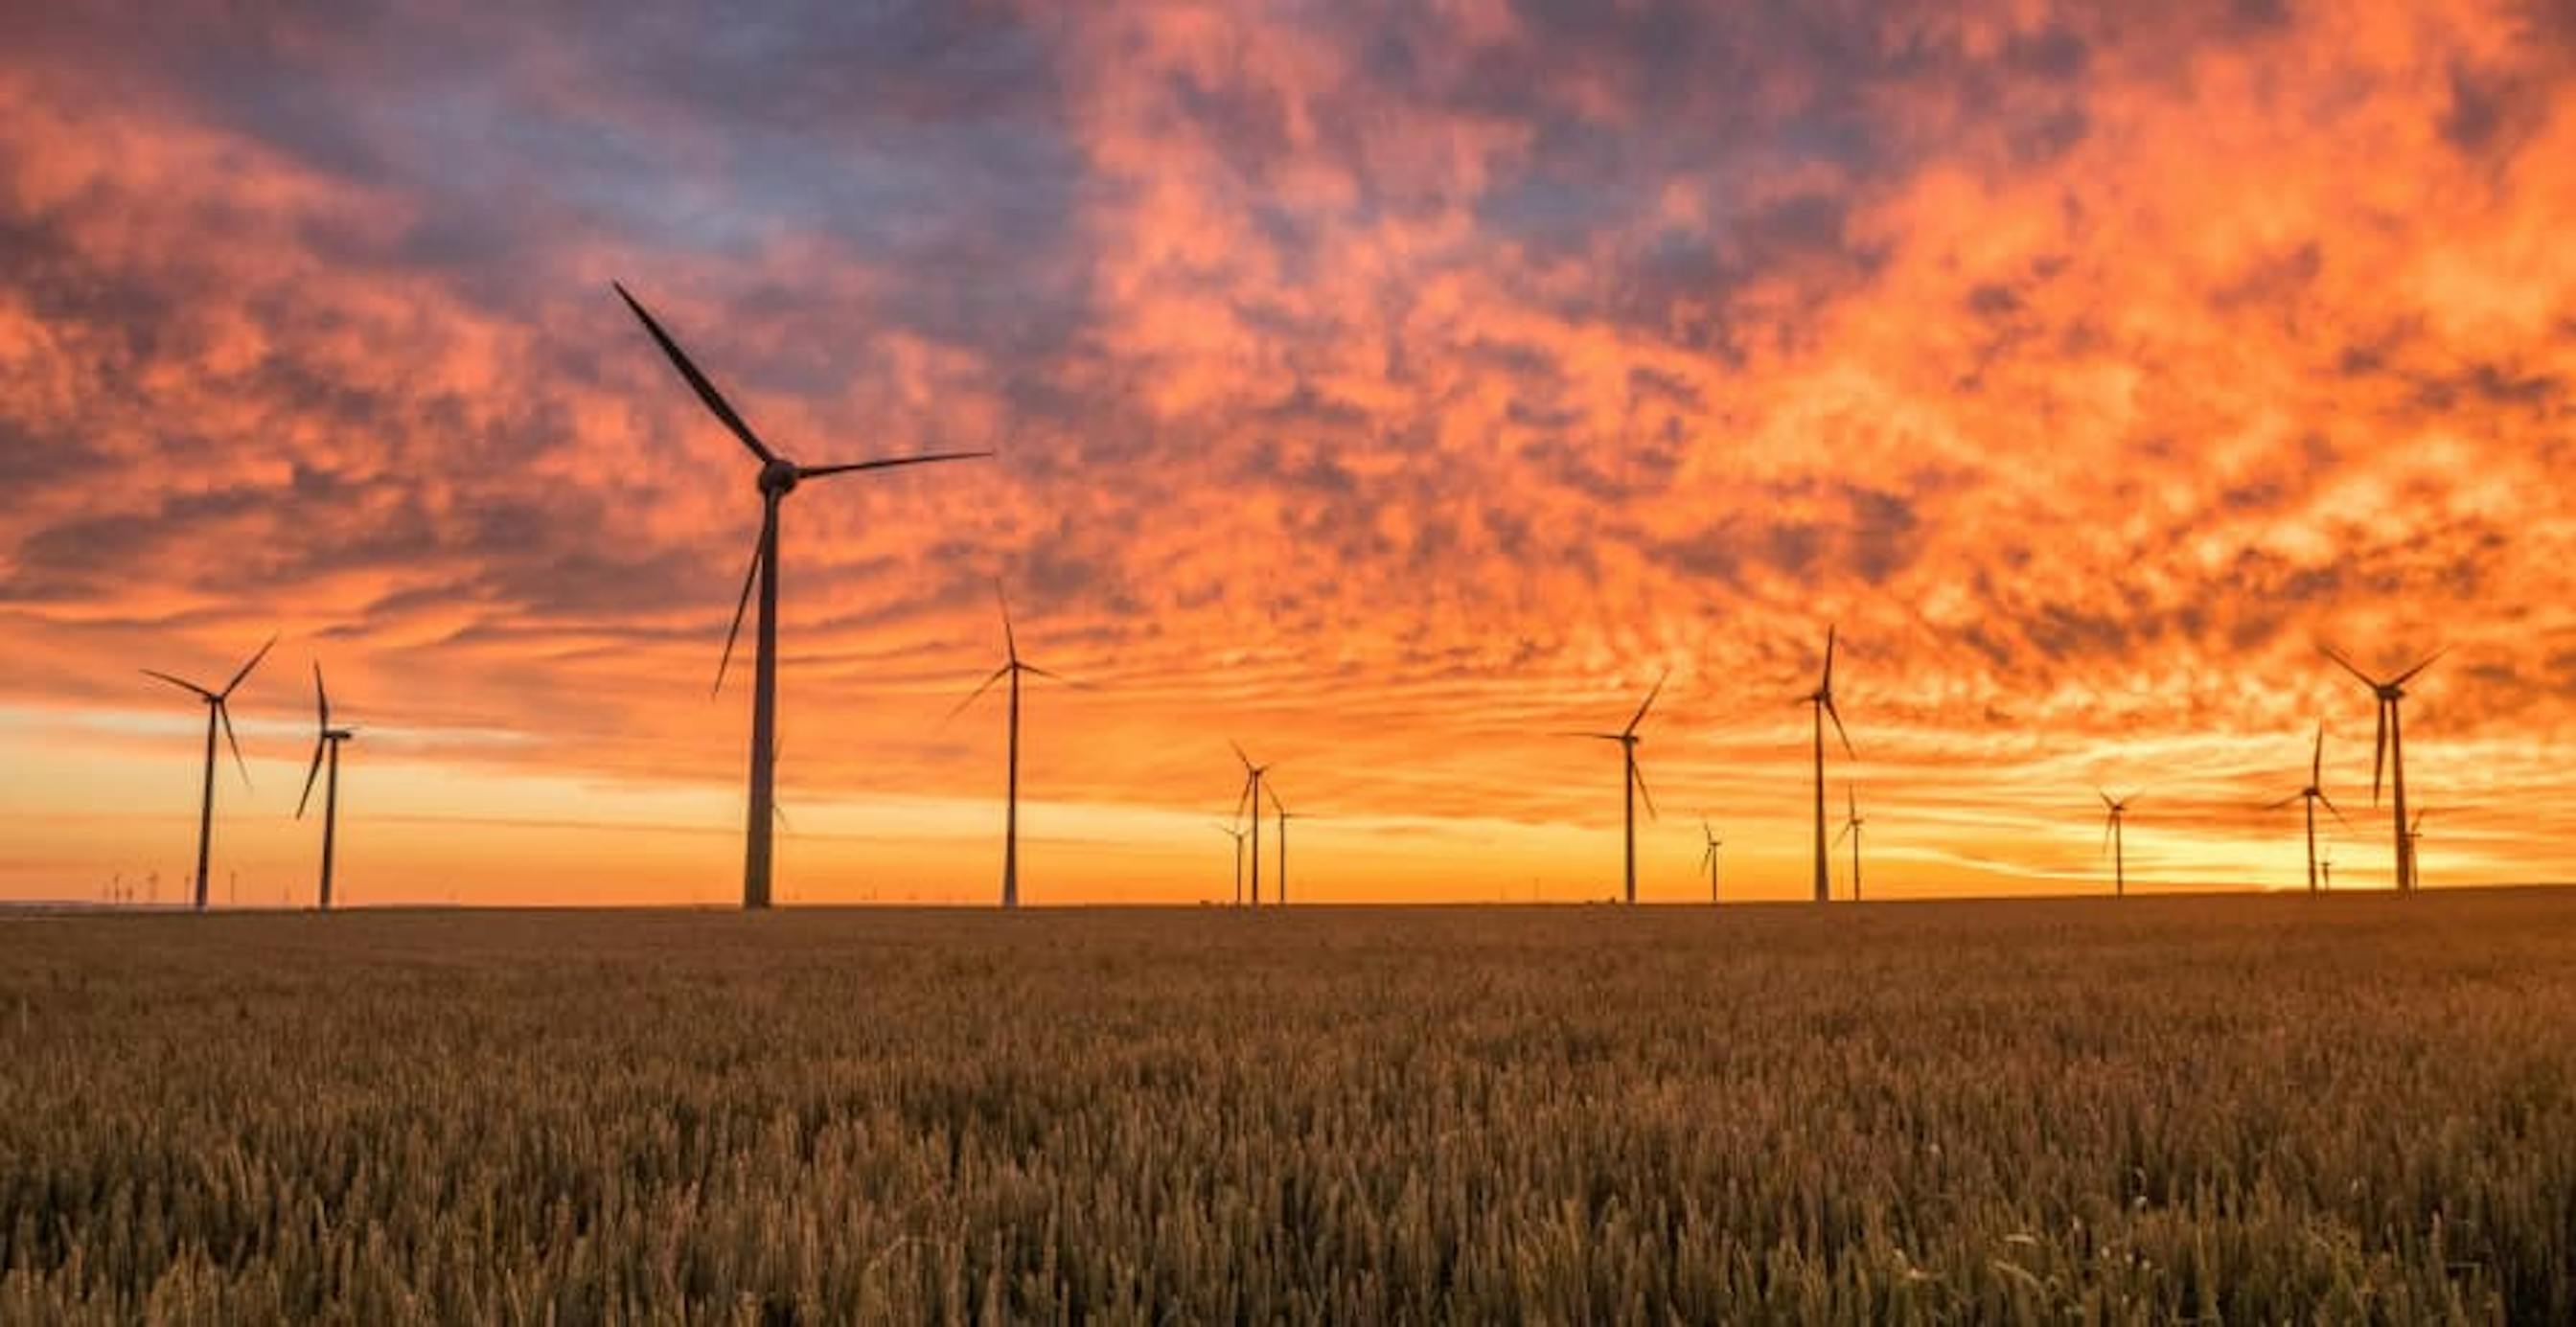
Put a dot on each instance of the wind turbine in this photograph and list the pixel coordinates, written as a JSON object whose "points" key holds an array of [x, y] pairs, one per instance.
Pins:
{"points": [[2414, 832], [1823, 701], [1284, 816], [779, 477], [2328, 866], [1012, 667], [2389, 751], [1632, 784], [1708, 859], [1237, 835], [2314, 793], [217, 713], [1251, 800], [2115, 838], [326, 749], [1851, 830]]}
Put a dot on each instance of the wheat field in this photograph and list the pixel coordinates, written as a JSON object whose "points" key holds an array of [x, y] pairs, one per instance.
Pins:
{"points": [[2249, 1109]]}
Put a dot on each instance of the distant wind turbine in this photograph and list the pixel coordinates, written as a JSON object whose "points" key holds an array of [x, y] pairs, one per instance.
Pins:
{"points": [[218, 712], [2314, 793], [779, 477], [2389, 756], [2115, 838], [2327, 865], [1708, 858], [1012, 668], [1823, 701], [1851, 830], [1632, 783], [326, 750], [2414, 835], [1284, 816], [1251, 801], [1235, 833]]}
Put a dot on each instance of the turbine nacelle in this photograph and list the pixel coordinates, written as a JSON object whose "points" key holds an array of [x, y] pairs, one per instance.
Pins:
{"points": [[778, 477]]}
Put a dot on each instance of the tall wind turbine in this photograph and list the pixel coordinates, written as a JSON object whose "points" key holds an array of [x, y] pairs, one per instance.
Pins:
{"points": [[1251, 801], [1708, 859], [2389, 756], [1632, 784], [1284, 816], [1236, 834], [779, 477], [326, 750], [1851, 830], [217, 713], [2314, 793], [1013, 667], [1822, 698], [2115, 838], [2414, 834]]}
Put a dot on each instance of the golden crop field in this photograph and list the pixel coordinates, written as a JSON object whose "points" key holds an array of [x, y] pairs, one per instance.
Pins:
{"points": [[2352, 1108]]}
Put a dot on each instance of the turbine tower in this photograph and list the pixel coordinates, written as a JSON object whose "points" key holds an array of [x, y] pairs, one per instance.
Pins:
{"points": [[779, 477], [1251, 801], [2389, 756], [1708, 858], [1823, 701], [1851, 830], [1632, 783], [2314, 793], [1013, 667], [326, 750], [2115, 839], [218, 712]]}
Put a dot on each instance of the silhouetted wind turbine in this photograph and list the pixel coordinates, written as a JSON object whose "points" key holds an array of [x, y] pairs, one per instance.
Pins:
{"points": [[1237, 835], [1632, 784], [2414, 834], [1708, 858], [1851, 830], [2327, 865], [1284, 816], [2115, 838], [2389, 751], [217, 713], [326, 750], [1012, 668], [2314, 793], [1823, 701], [1251, 800], [779, 476]]}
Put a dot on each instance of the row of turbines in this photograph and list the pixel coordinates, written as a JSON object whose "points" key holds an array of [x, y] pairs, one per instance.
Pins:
{"points": [[2388, 766], [779, 476]]}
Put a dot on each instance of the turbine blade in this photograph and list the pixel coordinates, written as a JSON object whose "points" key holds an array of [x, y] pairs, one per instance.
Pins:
{"points": [[706, 390], [2106, 833], [1010, 640], [225, 713], [2317, 765], [1828, 687], [1247, 760], [978, 693], [1650, 701], [1837, 716], [2338, 811], [885, 463], [2107, 803], [309, 776], [1275, 804], [2409, 675], [1054, 676], [759, 550], [2347, 665], [321, 699], [245, 668], [184, 686], [1640, 776], [1846, 833], [1243, 798]]}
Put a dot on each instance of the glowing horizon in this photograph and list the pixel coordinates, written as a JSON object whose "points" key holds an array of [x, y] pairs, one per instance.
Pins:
{"points": [[1389, 391]]}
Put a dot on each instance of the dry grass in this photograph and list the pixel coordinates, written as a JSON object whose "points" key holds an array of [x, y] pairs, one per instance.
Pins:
{"points": [[2355, 1108]]}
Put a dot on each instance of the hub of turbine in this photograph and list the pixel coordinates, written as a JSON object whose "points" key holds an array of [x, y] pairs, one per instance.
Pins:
{"points": [[778, 477]]}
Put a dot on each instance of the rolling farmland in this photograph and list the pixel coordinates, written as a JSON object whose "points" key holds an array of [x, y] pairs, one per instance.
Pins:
{"points": [[2256, 1109]]}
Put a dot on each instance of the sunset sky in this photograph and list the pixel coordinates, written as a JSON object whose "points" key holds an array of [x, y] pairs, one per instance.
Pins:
{"points": [[1387, 387]]}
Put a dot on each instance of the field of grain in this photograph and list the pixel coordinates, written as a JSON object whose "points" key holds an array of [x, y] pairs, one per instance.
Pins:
{"points": [[2249, 1109]]}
